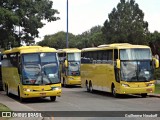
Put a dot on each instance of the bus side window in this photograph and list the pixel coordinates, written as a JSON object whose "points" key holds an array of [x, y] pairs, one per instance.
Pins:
{"points": [[89, 57], [109, 56], [13, 59], [94, 56], [61, 58], [115, 54], [6, 61], [83, 58], [99, 57], [104, 59], [19, 64]]}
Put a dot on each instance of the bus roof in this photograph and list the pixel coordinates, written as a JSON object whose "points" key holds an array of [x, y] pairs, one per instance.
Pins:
{"points": [[69, 50], [115, 46], [30, 49]]}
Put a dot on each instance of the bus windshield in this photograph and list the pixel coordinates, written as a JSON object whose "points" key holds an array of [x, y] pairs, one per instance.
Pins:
{"points": [[40, 68], [133, 71], [135, 54], [74, 56], [74, 63], [74, 68], [136, 64]]}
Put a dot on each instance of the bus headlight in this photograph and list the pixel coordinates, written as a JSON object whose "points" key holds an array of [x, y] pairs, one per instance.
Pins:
{"points": [[55, 88], [26, 89], [150, 84], [125, 85]]}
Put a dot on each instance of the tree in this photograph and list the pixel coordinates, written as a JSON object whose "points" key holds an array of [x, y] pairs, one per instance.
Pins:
{"points": [[21, 19], [57, 40], [96, 37], [155, 43], [93, 37], [125, 24], [90, 38]]}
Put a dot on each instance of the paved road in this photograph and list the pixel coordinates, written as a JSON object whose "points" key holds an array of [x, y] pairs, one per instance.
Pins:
{"points": [[77, 99]]}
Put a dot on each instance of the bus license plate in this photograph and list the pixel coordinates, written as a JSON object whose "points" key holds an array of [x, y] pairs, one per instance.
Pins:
{"points": [[42, 94]]}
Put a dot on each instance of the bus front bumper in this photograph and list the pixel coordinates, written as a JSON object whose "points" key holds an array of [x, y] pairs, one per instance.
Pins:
{"points": [[130, 90], [73, 80], [32, 94]]}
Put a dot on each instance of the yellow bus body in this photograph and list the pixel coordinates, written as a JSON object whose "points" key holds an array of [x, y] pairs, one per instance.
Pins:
{"points": [[68, 79], [12, 78], [100, 75]]}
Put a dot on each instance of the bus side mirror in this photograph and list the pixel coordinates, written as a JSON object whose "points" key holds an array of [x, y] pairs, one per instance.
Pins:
{"points": [[66, 63], [156, 62], [118, 64]]}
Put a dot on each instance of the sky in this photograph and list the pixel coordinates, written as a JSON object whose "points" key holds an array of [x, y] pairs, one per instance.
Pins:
{"points": [[85, 14]]}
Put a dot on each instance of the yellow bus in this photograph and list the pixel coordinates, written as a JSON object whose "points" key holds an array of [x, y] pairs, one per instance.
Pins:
{"points": [[31, 71], [70, 66], [119, 68]]}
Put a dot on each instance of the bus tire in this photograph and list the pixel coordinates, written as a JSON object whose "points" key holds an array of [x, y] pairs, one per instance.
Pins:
{"points": [[144, 95], [19, 96], [114, 91], [53, 98], [90, 87], [87, 86]]}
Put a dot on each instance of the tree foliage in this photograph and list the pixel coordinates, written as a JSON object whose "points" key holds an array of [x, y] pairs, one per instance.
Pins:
{"points": [[155, 42], [20, 20], [90, 38], [57, 40], [125, 24]]}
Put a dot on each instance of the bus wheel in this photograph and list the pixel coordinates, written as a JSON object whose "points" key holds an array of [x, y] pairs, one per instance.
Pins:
{"points": [[53, 98], [90, 87], [114, 91], [144, 95], [19, 96], [87, 86]]}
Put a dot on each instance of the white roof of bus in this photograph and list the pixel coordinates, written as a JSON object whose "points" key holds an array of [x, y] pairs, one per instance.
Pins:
{"points": [[115, 46], [30, 49], [69, 50]]}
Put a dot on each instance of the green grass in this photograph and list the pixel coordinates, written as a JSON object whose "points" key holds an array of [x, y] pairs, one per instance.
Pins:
{"points": [[157, 89], [4, 108]]}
